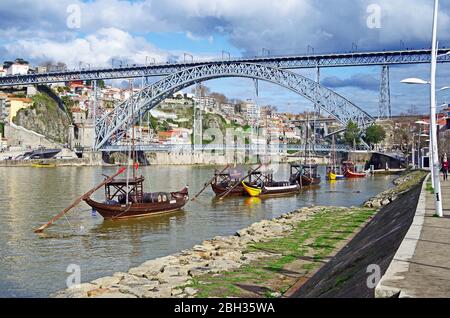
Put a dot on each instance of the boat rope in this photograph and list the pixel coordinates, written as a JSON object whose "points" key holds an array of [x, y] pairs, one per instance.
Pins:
{"points": [[120, 214]]}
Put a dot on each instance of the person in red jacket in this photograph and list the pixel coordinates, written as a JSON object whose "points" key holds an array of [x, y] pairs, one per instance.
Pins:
{"points": [[445, 167]]}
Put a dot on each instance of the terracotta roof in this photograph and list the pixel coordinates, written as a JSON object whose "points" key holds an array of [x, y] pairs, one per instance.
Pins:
{"points": [[21, 99]]}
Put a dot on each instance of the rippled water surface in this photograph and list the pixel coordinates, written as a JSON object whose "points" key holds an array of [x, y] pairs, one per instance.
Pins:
{"points": [[35, 266]]}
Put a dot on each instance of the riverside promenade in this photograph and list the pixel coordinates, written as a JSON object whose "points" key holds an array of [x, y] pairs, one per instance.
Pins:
{"points": [[421, 266]]}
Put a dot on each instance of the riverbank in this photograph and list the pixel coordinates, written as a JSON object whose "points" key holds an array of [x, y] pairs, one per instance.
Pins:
{"points": [[268, 257], [265, 259]]}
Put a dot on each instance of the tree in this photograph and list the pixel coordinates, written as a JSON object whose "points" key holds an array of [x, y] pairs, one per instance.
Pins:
{"points": [[375, 134], [351, 135]]}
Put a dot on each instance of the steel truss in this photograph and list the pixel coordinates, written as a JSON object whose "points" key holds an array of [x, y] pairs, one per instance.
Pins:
{"points": [[112, 127], [284, 62]]}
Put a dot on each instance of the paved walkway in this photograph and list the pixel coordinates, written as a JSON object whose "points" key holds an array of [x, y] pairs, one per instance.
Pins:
{"points": [[421, 266]]}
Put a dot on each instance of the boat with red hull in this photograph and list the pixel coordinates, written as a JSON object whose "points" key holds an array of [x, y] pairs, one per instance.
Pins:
{"points": [[349, 170], [138, 203]]}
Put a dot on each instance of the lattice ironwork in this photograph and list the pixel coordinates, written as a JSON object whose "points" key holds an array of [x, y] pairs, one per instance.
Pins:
{"points": [[284, 62], [112, 127]]}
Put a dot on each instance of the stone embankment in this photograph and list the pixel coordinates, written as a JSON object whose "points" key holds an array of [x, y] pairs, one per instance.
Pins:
{"points": [[166, 276], [403, 185]]}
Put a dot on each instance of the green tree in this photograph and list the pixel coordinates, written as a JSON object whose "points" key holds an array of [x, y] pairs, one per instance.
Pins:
{"points": [[351, 135], [375, 134]]}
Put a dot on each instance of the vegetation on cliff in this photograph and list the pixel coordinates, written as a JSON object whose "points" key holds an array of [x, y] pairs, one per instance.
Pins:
{"points": [[44, 117]]}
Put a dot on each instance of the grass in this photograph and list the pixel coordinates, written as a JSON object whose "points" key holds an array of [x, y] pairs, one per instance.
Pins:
{"points": [[304, 249], [429, 188]]}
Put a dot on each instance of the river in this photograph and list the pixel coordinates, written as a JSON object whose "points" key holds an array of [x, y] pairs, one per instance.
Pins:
{"points": [[35, 266]]}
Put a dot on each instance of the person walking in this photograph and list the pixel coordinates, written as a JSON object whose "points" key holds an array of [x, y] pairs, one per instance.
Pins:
{"points": [[445, 167]]}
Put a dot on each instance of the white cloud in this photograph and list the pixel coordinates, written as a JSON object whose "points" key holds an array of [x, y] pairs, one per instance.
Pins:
{"points": [[96, 49]]}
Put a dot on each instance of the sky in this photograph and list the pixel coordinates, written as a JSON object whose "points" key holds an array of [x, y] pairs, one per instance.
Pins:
{"points": [[106, 32]]}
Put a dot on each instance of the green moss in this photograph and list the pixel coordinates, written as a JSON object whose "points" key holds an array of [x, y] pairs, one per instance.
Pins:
{"points": [[311, 241]]}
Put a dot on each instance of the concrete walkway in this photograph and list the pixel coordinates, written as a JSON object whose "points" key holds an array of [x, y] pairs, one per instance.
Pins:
{"points": [[421, 266]]}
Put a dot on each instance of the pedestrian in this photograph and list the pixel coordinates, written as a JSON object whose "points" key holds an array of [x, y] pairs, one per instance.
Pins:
{"points": [[445, 167]]}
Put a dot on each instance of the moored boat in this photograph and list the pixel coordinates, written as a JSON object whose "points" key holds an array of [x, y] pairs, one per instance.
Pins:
{"points": [[229, 181], [119, 204], [305, 175], [332, 175], [43, 165], [266, 186], [276, 188], [350, 172]]}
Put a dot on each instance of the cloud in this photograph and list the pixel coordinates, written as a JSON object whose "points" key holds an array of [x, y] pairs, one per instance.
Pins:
{"points": [[96, 49], [362, 81], [283, 26]]}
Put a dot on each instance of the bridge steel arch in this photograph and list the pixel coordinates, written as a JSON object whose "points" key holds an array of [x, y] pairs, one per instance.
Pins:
{"points": [[112, 126]]}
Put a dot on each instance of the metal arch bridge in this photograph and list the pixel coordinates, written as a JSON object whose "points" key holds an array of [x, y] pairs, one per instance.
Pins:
{"points": [[283, 62], [112, 127], [277, 148]]}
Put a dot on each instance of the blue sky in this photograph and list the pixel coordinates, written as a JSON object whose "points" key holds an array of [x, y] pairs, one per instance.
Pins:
{"points": [[133, 30]]}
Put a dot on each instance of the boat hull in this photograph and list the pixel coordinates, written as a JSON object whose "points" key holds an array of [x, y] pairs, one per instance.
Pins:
{"points": [[333, 177], [219, 190], [255, 191], [136, 210], [307, 181], [37, 165], [354, 175]]}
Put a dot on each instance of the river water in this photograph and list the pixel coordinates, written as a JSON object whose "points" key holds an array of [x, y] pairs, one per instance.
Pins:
{"points": [[35, 266]]}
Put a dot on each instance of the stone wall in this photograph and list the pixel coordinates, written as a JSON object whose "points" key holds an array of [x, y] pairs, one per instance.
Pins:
{"points": [[18, 136]]}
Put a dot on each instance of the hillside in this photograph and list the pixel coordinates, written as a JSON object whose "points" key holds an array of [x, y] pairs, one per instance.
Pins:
{"points": [[45, 118]]}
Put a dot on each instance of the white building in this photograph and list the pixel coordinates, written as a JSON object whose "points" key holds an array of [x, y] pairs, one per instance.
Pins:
{"points": [[251, 110], [2, 71], [18, 69]]}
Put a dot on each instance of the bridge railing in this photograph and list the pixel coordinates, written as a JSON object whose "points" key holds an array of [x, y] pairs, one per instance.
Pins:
{"points": [[257, 148]]}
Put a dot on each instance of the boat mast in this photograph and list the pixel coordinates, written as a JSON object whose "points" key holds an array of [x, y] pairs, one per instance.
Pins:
{"points": [[306, 137], [130, 150]]}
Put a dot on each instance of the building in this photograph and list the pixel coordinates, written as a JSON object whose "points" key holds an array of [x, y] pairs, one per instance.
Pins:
{"points": [[4, 108], [17, 104], [18, 69], [81, 132], [251, 110], [175, 136], [205, 102], [2, 71]]}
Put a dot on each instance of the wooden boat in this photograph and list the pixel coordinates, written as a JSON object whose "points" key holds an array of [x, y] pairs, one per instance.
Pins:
{"points": [[349, 170], [305, 175], [277, 188], [43, 165], [331, 176], [230, 181], [331, 172], [138, 203], [125, 198], [269, 187]]}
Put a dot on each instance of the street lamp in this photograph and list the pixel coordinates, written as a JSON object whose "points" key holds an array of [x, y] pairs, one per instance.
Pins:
{"points": [[433, 130]]}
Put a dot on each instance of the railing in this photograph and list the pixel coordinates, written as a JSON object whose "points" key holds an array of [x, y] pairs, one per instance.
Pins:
{"points": [[279, 61], [189, 148]]}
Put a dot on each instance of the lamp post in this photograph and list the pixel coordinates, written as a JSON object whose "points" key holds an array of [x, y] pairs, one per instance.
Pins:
{"points": [[433, 130]]}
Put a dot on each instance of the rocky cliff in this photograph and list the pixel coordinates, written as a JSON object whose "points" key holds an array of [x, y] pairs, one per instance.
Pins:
{"points": [[45, 118]]}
